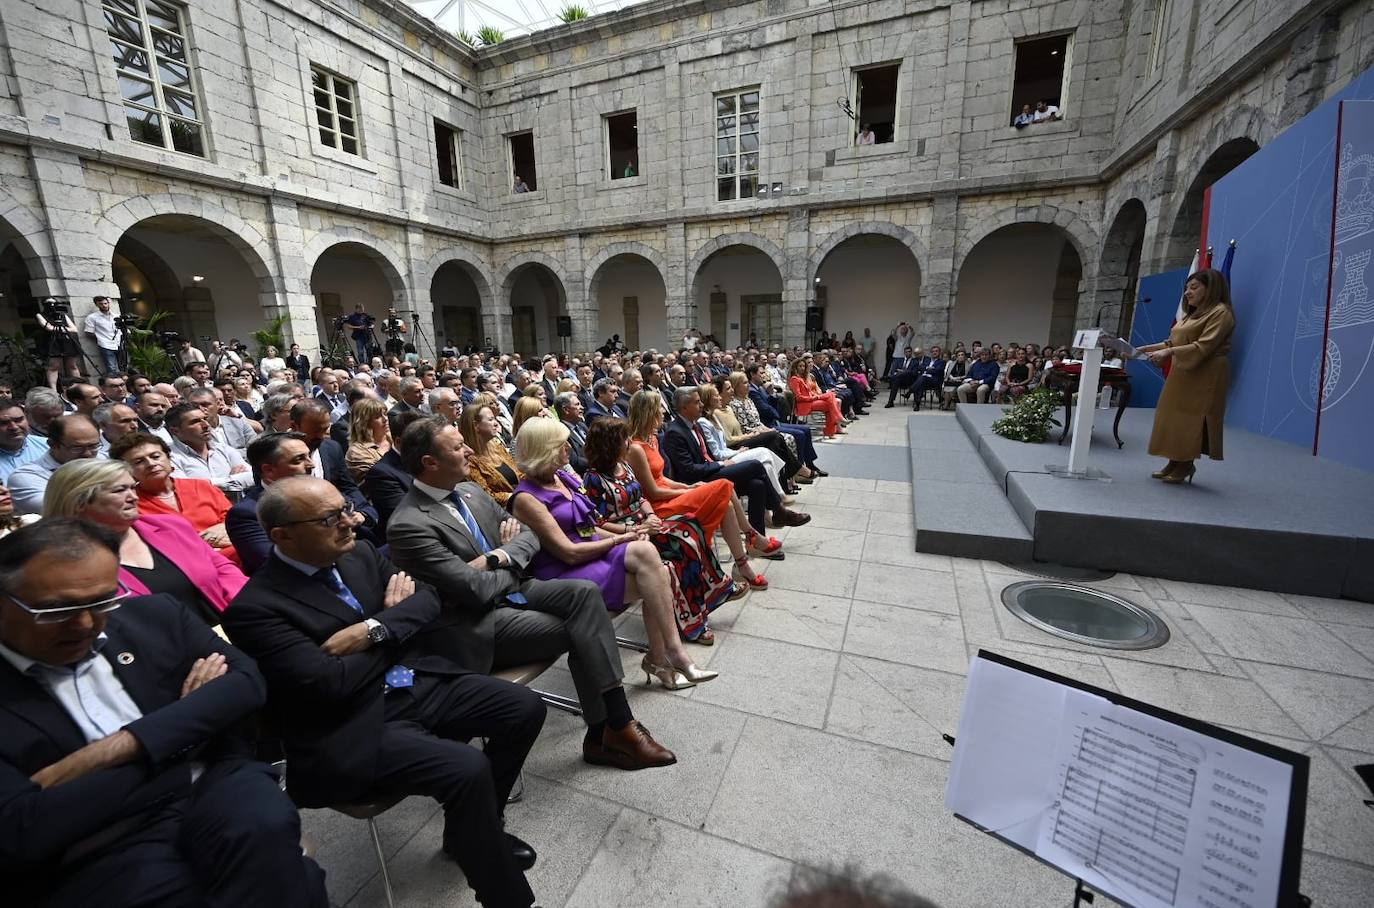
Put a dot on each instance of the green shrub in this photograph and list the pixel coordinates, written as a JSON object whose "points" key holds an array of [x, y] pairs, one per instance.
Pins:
{"points": [[573, 13], [1030, 418]]}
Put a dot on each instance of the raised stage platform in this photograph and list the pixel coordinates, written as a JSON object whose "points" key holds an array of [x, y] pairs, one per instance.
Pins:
{"points": [[1267, 517]]}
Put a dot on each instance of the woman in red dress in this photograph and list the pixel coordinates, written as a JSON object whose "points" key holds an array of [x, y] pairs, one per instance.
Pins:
{"points": [[159, 492], [713, 504], [808, 397]]}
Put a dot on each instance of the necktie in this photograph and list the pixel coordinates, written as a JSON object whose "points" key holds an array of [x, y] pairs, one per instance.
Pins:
{"points": [[335, 583], [701, 440], [471, 521]]}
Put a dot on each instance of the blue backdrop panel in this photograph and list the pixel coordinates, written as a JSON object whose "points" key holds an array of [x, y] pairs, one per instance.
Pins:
{"points": [[1278, 206], [1151, 325], [1346, 430]]}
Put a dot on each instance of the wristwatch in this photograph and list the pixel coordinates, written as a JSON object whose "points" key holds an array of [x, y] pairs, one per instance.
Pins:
{"points": [[493, 561], [376, 631]]}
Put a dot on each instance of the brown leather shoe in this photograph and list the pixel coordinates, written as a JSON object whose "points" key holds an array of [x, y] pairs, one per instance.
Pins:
{"points": [[786, 518], [632, 747]]}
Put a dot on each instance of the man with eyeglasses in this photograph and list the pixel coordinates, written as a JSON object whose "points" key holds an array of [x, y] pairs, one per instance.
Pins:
{"points": [[368, 705], [70, 437], [123, 779], [18, 446]]}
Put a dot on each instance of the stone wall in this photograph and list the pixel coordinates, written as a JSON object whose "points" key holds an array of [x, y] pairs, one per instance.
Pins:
{"points": [[72, 180]]}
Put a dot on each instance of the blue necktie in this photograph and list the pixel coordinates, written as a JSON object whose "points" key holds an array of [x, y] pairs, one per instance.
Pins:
{"points": [[471, 521], [397, 675]]}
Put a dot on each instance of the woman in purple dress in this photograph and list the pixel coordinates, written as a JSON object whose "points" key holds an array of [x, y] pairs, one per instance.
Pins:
{"points": [[626, 566]]}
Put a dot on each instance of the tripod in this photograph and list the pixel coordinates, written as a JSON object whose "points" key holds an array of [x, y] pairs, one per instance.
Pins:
{"points": [[419, 335], [62, 338]]}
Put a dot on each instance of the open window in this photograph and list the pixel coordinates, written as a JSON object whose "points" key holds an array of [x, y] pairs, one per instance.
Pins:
{"points": [[523, 173], [875, 104], [1039, 88], [622, 145], [448, 150]]}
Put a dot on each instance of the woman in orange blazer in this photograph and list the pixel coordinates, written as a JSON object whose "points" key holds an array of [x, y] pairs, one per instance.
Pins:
{"points": [[159, 492], [808, 397], [159, 553]]}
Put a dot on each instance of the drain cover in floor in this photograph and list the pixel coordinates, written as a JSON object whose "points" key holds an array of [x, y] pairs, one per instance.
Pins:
{"points": [[1084, 615]]}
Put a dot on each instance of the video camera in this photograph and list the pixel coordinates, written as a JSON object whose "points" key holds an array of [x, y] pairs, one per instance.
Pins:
{"points": [[54, 306], [170, 340], [125, 322]]}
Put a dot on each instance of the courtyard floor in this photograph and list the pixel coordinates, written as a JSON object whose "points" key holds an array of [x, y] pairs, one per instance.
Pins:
{"points": [[820, 744]]}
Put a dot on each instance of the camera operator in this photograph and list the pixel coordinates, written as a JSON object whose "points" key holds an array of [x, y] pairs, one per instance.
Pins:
{"points": [[394, 326], [361, 324], [57, 340], [224, 357], [188, 354], [104, 329]]}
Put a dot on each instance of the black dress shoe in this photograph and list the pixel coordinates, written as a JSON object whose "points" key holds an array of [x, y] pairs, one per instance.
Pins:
{"points": [[817, 471], [889, 405], [523, 853]]}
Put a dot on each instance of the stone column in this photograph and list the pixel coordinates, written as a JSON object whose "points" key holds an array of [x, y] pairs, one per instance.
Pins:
{"points": [[496, 311], [939, 287], [294, 297], [677, 283], [579, 308], [797, 290], [421, 305]]}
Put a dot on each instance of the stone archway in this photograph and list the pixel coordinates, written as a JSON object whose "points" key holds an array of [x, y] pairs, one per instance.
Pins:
{"points": [[1118, 270], [635, 306], [738, 279], [868, 275], [533, 287], [1020, 282], [1186, 231]]}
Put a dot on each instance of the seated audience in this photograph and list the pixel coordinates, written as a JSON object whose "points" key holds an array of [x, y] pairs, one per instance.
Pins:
{"points": [[757, 408], [981, 378], [158, 553], [931, 377], [713, 504], [227, 424], [490, 465], [72, 437], [159, 492], [197, 455], [1018, 376], [683, 544], [311, 418], [152, 409], [956, 373], [625, 565], [388, 482], [153, 798], [42, 405], [114, 420], [368, 702], [527, 407], [567, 406], [275, 456], [716, 400], [10, 521], [369, 437], [449, 532]]}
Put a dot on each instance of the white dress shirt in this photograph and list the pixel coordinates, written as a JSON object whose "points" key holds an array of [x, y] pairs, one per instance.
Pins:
{"points": [[102, 326], [216, 465], [89, 691]]}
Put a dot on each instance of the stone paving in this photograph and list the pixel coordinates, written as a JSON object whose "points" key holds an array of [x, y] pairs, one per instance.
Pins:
{"points": [[820, 742]]}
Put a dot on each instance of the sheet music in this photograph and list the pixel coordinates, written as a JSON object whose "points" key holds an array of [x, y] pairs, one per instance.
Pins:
{"points": [[1161, 815]]}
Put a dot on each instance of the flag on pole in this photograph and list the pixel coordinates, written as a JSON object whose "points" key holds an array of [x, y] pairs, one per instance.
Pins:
{"points": [[1226, 262]]}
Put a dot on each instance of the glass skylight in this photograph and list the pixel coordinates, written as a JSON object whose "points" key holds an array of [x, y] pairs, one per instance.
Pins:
{"points": [[512, 18]]}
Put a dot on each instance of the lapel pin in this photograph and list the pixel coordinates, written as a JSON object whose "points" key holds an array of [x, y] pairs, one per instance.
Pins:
{"points": [[125, 658]]}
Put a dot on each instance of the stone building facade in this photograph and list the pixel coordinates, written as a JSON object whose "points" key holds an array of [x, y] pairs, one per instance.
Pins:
{"points": [[1159, 97]]}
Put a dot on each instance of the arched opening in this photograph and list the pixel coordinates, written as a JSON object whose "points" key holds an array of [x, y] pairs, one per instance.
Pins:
{"points": [[1187, 229], [1019, 283], [869, 281], [457, 307], [209, 282], [537, 299], [1119, 271], [738, 285], [345, 275], [17, 308], [631, 301]]}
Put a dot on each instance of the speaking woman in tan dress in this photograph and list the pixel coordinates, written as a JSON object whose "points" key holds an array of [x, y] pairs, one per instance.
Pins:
{"points": [[1192, 407]]}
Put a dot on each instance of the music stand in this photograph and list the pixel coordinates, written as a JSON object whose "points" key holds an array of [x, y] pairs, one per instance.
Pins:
{"points": [[1152, 808]]}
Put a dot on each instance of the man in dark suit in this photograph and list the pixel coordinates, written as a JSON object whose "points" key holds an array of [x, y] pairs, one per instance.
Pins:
{"points": [[412, 393], [311, 419], [122, 780], [274, 456], [684, 447], [366, 702], [930, 378], [568, 407], [299, 362], [904, 373], [452, 534], [550, 378], [604, 394], [849, 392], [388, 482]]}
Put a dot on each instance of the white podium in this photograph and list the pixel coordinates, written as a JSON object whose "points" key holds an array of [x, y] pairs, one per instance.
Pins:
{"points": [[1089, 340]]}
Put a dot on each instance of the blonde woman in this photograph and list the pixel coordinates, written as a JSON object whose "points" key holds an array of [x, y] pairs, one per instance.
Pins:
{"points": [[529, 406], [624, 564], [158, 553], [716, 446], [490, 465], [369, 436]]}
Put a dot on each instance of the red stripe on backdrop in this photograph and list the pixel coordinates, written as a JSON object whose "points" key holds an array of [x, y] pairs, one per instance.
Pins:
{"points": [[1204, 254], [1330, 280]]}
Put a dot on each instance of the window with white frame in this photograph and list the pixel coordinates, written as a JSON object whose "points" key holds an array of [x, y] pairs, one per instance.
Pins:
{"points": [[1161, 25], [336, 110], [737, 144], [448, 149], [152, 61]]}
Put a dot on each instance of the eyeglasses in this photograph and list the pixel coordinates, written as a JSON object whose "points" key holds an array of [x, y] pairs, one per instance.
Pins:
{"points": [[83, 449], [60, 614], [328, 521]]}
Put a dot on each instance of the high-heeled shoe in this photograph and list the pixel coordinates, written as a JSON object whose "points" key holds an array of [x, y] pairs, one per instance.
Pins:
{"points": [[1180, 475], [707, 637], [770, 548], [737, 591], [667, 675], [696, 675], [1164, 470], [753, 581]]}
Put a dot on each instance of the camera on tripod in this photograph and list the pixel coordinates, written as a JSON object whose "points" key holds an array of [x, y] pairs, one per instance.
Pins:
{"points": [[56, 307], [125, 322], [170, 340]]}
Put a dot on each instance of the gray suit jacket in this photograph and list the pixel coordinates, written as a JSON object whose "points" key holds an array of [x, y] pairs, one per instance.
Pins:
{"points": [[433, 545]]}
